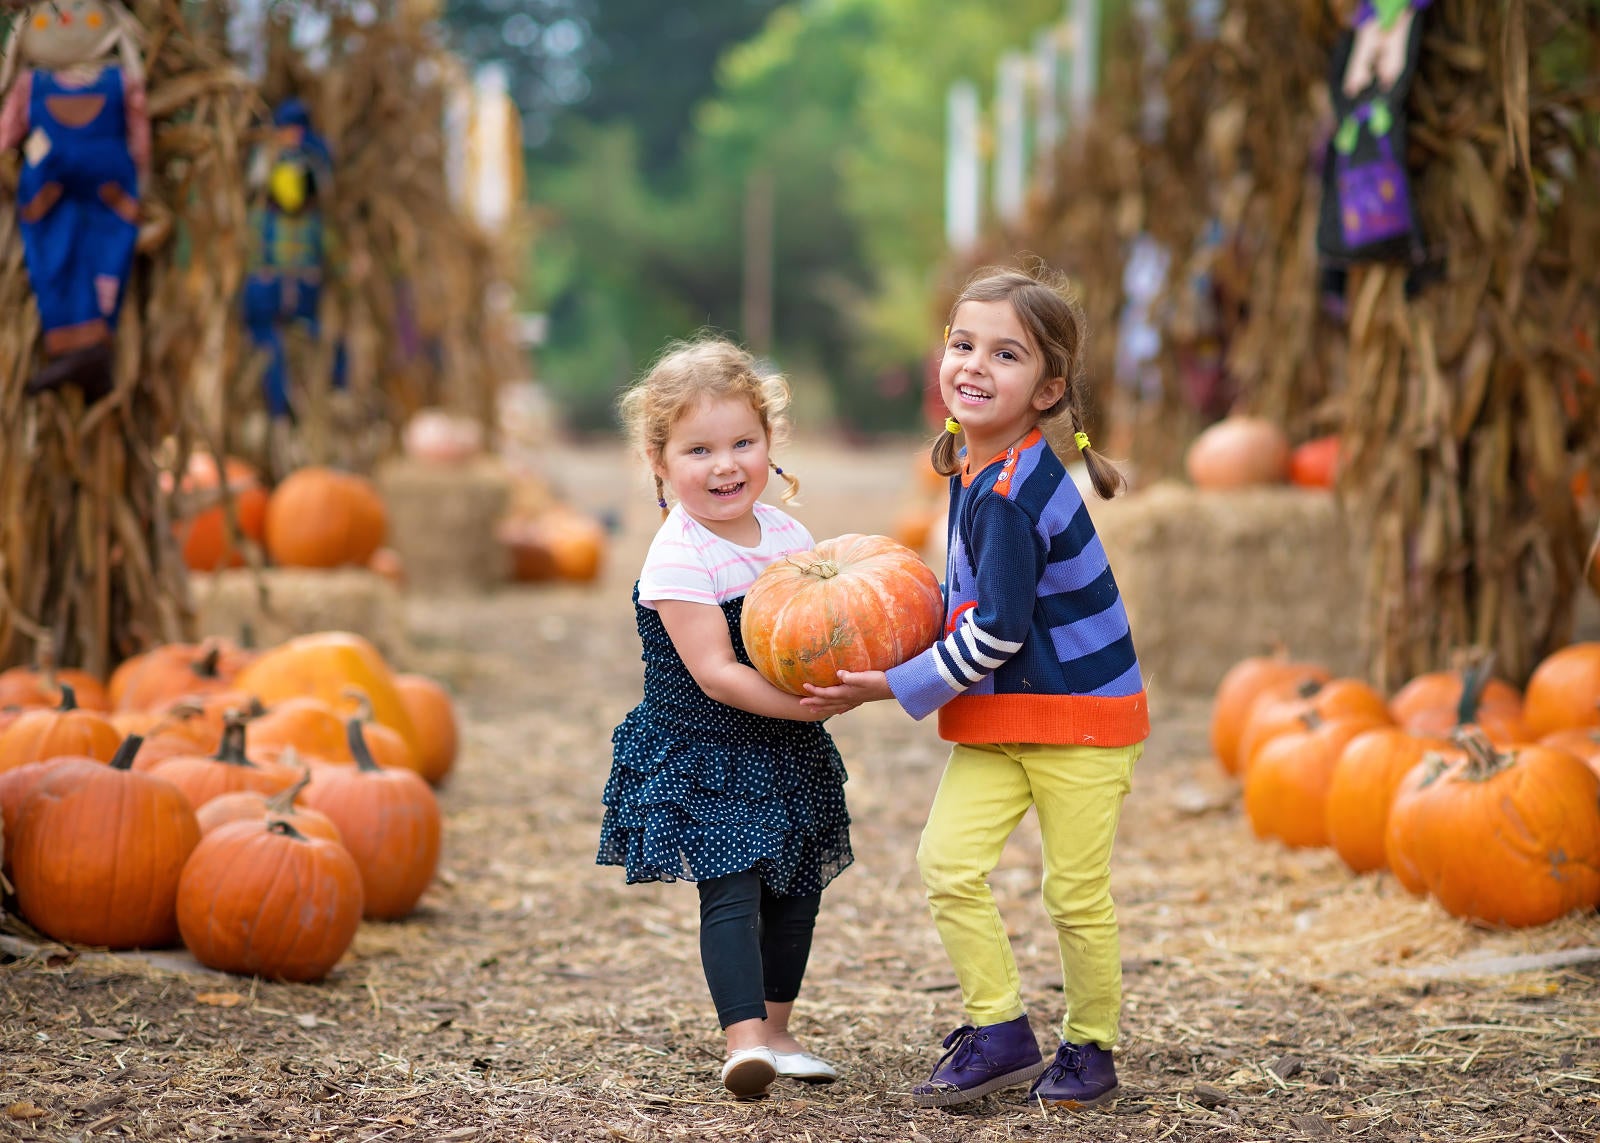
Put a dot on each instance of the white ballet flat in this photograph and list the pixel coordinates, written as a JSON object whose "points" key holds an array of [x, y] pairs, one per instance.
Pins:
{"points": [[749, 1072], [805, 1067]]}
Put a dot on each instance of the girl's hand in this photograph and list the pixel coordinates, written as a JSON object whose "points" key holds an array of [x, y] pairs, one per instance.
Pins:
{"points": [[854, 688]]}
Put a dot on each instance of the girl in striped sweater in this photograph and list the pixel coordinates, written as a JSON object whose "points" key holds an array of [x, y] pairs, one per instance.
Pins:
{"points": [[1036, 683]]}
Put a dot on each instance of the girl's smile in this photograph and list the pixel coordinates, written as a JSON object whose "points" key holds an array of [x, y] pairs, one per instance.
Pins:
{"points": [[715, 462]]}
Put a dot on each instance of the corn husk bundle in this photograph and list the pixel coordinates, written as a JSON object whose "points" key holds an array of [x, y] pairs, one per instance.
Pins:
{"points": [[1472, 406], [1231, 158], [409, 276], [87, 563]]}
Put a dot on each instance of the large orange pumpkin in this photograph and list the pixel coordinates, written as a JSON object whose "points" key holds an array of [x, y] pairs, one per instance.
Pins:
{"points": [[390, 823], [1365, 778], [262, 899], [328, 665], [201, 523], [856, 603], [1245, 682], [15, 786], [1286, 786], [1503, 838], [323, 518], [1237, 452], [99, 851], [433, 714], [47, 733], [1564, 691]]}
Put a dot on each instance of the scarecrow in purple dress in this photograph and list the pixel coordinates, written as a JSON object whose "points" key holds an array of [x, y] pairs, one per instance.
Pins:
{"points": [[74, 102], [1368, 213]]}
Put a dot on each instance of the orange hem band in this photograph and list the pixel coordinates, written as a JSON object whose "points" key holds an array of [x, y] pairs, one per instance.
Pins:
{"points": [[1051, 720]]}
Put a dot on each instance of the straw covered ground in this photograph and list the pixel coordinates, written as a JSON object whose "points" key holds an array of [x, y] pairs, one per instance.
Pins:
{"points": [[534, 996]]}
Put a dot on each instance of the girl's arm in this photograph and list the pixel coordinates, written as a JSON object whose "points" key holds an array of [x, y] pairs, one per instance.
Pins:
{"points": [[700, 634]]}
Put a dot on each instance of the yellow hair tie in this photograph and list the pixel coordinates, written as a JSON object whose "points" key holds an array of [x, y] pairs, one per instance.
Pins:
{"points": [[947, 333], [1081, 440], [952, 426]]}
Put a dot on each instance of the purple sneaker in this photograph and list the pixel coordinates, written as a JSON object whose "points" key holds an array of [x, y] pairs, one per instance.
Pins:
{"points": [[978, 1061], [1079, 1076]]}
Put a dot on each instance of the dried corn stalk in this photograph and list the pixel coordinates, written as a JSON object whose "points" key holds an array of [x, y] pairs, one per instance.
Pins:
{"points": [[86, 554]]}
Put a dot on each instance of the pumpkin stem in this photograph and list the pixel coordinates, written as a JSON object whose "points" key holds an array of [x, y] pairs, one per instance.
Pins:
{"points": [[358, 746], [205, 666], [279, 826], [231, 749], [123, 758], [1483, 760], [283, 801], [363, 702], [1312, 718], [1474, 681], [1308, 687], [69, 697], [1434, 765], [822, 569]]}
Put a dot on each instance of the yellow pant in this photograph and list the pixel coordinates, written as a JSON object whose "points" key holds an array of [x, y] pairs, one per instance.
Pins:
{"points": [[984, 793]]}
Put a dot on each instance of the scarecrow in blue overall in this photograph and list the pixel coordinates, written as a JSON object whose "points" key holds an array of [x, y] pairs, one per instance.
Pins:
{"points": [[285, 284], [74, 103]]}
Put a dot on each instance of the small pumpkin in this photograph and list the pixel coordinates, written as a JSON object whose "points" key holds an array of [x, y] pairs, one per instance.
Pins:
{"points": [[1582, 743], [855, 603], [99, 852], [323, 518], [1436, 702], [43, 733], [328, 665], [203, 777], [433, 714], [1237, 452], [253, 805], [1563, 691], [1368, 772], [1286, 787], [390, 822], [163, 675], [559, 543], [28, 687], [1505, 838], [1244, 683], [1315, 464], [200, 517], [388, 564], [262, 899], [307, 724], [1336, 698]]}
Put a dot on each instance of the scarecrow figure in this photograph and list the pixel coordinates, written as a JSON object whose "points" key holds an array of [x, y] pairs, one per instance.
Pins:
{"points": [[285, 285], [1367, 210], [74, 103]]}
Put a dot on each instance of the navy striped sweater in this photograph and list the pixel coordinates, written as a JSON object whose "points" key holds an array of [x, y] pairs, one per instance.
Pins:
{"points": [[1037, 646]]}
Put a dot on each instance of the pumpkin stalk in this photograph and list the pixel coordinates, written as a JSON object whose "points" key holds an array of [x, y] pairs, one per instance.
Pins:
{"points": [[69, 697], [123, 758], [278, 825], [231, 750], [1474, 680], [283, 801], [363, 702], [206, 665], [358, 746], [1483, 760]]}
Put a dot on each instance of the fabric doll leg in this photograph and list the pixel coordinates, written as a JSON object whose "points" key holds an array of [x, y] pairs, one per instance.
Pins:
{"points": [[262, 302]]}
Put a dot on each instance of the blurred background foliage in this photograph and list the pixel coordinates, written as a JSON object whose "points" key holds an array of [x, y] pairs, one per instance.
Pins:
{"points": [[648, 122]]}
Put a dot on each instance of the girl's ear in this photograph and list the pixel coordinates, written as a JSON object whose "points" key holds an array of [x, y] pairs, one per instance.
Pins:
{"points": [[1049, 392]]}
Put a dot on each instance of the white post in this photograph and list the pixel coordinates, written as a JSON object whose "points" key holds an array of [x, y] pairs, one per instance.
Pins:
{"points": [[1046, 105], [1085, 56], [1011, 142], [963, 169], [491, 183]]}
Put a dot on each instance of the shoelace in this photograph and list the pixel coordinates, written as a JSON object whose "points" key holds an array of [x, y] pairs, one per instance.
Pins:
{"points": [[962, 1045], [1068, 1059]]}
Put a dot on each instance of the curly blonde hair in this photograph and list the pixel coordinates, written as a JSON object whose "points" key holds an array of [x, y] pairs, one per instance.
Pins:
{"points": [[690, 372]]}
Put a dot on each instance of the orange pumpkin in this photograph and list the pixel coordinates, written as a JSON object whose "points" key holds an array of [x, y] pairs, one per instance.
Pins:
{"points": [[309, 725], [1337, 698], [26, 686], [559, 543], [1437, 702], [261, 898], [1368, 772], [1315, 464], [203, 777], [1503, 838], [1564, 691], [99, 851], [390, 823], [390, 565], [1237, 452], [914, 526], [1245, 682], [15, 786], [322, 518], [173, 671], [1286, 786], [254, 806], [328, 665], [433, 714], [856, 603], [201, 524], [1583, 744], [39, 734]]}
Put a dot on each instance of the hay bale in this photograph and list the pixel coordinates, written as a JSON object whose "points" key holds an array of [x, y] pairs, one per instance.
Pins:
{"points": [[283, 602], [1210, 577], [442, 522]]}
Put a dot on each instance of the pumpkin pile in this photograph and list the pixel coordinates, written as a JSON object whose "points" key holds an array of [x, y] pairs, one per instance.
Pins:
{"points": [[254, 805], [1241, 451], [1483, 797]]}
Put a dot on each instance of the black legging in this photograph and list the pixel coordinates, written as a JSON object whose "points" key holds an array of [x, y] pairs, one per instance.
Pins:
{"points": [[753, 944]]}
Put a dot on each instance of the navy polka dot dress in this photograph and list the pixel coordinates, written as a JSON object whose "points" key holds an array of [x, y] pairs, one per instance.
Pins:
{"points": [[699, 789]]}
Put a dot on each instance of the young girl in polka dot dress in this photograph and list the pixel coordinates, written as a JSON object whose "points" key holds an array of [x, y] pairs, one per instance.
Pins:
{"points": [[718, 777]]}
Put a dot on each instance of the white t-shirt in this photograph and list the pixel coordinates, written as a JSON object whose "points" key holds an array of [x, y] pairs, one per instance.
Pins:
{"points": [[688, 561]]}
